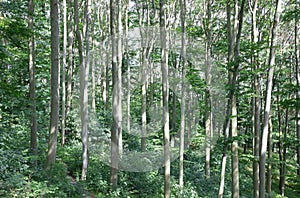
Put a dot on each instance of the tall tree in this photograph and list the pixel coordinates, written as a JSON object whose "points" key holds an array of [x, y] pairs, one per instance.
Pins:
{"points": [[119, 73], [63, 80], [234, 122], [32, 94], [70, 57], [234, 35], [230, 39], [208, 102], [84, 60], [116, 95], [84, 79], [165, 88], [267, 108], [256, 101], [54, 116], [183, 98], [297, 57]]}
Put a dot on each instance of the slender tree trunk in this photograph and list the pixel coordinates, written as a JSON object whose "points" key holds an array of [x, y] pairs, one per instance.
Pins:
{"points": [[256, 105], [32, 94], [54, 115], [297, 57], [115, 100], [283, 146], [128, 67], [119, 73], [269, 169], [93, 101], [63, 81], [144, 96], [183, 98], [233, 55], [230, 37], [280, 143], [208, 102], [70, 58], [84, 70], [267, 109], [234, 123], [165, 88]]}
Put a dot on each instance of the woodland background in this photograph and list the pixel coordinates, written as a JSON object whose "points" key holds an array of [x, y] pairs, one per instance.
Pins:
{"points": [[50, 49]]}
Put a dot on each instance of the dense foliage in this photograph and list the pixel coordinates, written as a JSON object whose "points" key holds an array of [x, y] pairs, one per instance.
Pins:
{"points": [[23, 174]]}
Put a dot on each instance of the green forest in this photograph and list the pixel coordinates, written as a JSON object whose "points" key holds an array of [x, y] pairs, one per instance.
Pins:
{"points": [[150, 98]]}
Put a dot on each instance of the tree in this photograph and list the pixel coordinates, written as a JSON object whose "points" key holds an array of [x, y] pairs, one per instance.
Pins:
{"points": [[267, 107], [165, 90], [84, 60], [70, 57], [183, 98], [119, 75], [234, 36], [63, 81], [234, 122], [32, 93], [54, 116], [84, 74], [297, 57], [208, 102], [116, 96], [256, 107]]}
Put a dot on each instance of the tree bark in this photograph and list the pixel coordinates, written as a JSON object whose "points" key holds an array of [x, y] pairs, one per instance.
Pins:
{"points": [[32, 93], [256, 104], [234, 122], [165, 89], [267, 109], [54, 115], [70, 58], [280, 143], [119, 77], [269, 169], [234, 35], [84, 70], [230, 37], [208, 102], [297, 57], [63, 81], [115, 99], [183, 98]]}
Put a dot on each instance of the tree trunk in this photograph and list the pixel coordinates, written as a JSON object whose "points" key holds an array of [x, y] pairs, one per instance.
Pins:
{"points": [[115, 99], [234, 122], [54, 115], [144, 90], [84, 70], [165, 88], [267, 109], [128, 67], [297, 57], [32, 94], [280, 143], [70, 58], [230, 37], [63, 81], [119, 73], [233, 55], [269, 170], [208, 102], [183, 99], [93, 101], [256, 105]]}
